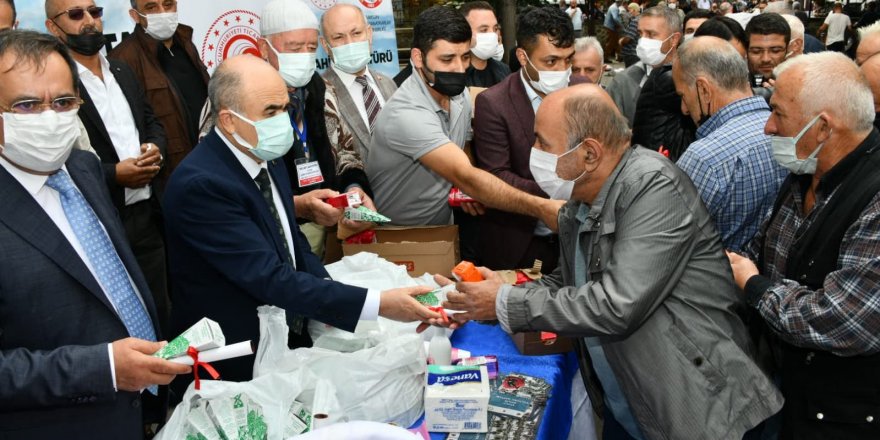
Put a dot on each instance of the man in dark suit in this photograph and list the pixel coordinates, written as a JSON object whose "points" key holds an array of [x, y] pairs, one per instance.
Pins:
{"points": [[71, 292], [504, 119], [124, 132], [232, 236]]}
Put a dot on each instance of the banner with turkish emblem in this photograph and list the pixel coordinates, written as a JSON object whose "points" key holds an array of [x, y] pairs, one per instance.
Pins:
{"points": [[224, 28]]}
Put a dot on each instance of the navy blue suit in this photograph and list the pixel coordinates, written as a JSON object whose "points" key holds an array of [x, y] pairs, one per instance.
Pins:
{"points": [[56, 321], [226, 256]]}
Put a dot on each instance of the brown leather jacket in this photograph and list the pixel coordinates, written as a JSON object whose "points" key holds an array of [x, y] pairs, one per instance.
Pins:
{"points": [[141, 53]]}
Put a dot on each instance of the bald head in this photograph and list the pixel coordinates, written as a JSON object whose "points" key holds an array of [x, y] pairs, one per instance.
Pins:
{"points": [[342, 14], [869, 42], [716, 60], [589, 112], [871, 70], [344, 24]]}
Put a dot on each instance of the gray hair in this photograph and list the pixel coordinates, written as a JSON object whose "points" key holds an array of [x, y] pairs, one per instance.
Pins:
{"points": [[796, 25], [670, 16], [725, 7], [583, 44], [720, 63], [781, 7], [591, 117], [224, 90], [834, 84], [867, 31]]}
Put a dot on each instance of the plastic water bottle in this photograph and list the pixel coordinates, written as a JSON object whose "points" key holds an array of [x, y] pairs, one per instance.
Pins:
{"points": [[440, 349]]}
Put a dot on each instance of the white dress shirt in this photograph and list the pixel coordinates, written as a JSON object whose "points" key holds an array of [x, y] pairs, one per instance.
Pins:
{"points": [[541, 228], [357, 91], [116, 114], [50, 200], [370, 311]]}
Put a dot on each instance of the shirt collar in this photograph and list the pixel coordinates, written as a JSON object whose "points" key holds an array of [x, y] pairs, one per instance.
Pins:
{"points": [[105, 66], [348, 79], [842, 169], [251, 167], [730, 111], [33, 183], [595, 209], [534, 98]]}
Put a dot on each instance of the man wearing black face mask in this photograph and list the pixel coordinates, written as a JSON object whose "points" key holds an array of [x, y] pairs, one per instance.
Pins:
{"points": [[416, 151], [125, 133], [731, 162]]}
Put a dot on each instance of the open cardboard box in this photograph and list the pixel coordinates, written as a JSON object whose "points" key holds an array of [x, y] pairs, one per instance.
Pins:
{"points": [[431, 249]]}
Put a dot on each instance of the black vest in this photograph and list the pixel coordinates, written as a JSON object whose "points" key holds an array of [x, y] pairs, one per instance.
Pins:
{"points": [[829, 396]]}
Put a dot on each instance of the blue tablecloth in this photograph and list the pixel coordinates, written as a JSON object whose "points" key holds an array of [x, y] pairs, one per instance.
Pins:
{"points": [[557, 369]]}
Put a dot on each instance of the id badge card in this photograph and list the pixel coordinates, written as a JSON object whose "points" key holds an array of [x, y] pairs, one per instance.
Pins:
{"points": [[308, 173]]}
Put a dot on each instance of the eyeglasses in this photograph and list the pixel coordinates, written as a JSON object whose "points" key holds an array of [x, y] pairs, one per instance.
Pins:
{"points": [[32, 106], [78, 13]]}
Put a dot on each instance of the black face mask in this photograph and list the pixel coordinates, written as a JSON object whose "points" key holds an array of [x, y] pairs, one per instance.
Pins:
{"points": [[703, 117], [447, 83], [88, 43]]}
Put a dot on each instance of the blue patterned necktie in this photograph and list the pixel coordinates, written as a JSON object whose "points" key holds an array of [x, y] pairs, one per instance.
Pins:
{"points": [[105, 261]]}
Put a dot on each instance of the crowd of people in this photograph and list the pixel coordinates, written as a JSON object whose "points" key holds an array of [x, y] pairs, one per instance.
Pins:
{"points": [[708, 220]]}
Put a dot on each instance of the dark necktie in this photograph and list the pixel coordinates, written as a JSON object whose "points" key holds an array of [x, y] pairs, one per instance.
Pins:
{"points": [[371, 102], [265, 185]]}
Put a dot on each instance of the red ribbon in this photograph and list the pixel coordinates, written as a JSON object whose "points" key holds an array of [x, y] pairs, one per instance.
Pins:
{"points": [[194, 354], [442, 313]]}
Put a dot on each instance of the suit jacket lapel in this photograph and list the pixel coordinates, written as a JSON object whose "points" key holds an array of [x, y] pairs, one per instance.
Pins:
{"points": [[103, 208], [348, 109], [31, 222], [127, 90], [219, 147], [386, 85], [522, 106], [88, 113]]}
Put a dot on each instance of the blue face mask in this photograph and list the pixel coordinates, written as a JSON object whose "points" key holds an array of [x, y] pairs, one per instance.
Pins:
{"points": [[353, 57], [274, 136]]}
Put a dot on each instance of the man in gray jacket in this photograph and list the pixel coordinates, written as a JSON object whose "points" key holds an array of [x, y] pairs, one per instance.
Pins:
{"points": [[642, 280]]}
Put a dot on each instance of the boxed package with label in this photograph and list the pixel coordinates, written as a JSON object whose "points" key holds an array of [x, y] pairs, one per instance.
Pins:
{"points": [[541, 343], [431, 249], [457, 399]]}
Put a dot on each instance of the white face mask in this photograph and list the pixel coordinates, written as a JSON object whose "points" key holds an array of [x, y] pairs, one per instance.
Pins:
{"points": [[40, 142], [672, 5], [296, 68], [499, 53], [161, 26], [688, 37], [549, 81], [543, 167], [487, 45], [785, 152], [649, 51]]}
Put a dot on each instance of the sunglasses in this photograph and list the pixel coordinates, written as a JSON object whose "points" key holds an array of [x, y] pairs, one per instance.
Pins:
{"points": [[78, 13]]}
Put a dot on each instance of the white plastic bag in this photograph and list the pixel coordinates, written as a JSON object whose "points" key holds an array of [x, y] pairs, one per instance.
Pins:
{"points": [[275, 393], [384, 383]]}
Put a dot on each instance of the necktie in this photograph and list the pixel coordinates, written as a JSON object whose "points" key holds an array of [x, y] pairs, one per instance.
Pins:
{"points": [[105, 261], [371, 102], [265, 185]]}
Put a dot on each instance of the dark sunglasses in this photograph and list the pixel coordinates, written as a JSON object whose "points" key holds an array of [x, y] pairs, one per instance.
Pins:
{"points": [[78, 13]]}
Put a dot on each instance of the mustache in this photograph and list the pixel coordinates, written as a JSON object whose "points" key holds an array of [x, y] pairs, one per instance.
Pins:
{"points": [[90, 29]]}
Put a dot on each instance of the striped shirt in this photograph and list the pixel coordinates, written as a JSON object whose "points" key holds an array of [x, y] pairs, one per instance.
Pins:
{"points": [[731, 164]]}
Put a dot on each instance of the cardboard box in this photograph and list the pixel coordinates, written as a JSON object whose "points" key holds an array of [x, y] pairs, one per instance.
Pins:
{"points": [[530, 343], [457, 399], [431, 249]]}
